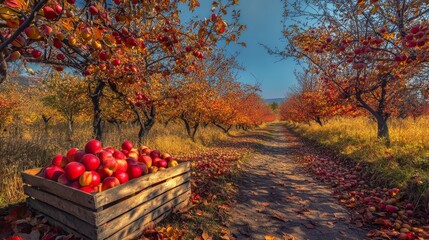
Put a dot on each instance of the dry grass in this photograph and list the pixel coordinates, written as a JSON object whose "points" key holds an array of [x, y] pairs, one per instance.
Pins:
{"points": [[405, 158], [26, 147]]}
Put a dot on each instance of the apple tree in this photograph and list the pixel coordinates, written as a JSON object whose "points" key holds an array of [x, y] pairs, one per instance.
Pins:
{"points": [[366, 51]]}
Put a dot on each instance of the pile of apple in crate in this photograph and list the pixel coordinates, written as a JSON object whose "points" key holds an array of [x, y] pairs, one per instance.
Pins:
{"points": [[96, 169], [106, 193]]}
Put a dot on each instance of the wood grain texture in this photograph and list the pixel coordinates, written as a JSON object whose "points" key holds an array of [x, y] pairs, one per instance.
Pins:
{"points": [[141, 197], [138, 184]]}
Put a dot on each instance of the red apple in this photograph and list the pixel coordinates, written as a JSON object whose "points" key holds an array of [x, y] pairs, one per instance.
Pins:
{"points": [[131, 161], [71, 1], [60, 161], [49, 13], [135, 170], [75, 184], [153, 169], [109, 149], [52, 172], [109, 166], [93, 146], [169, 159], [93, 10], [165, 155], [90, 161], [127, 145], [155, 154], [36, 53], [119, 155], [146, 151], [57, 43], [146, 160], [125, 152], [63, 179], [45, 30], [391, 208], [58, 9], [109, 182], [103, 55], [74, 170], [155, 161], [78, 155], [116, 62], [162, 163], [105, 155], [87, 189], [61, 56], [134, 154], [89, 178], [122, 165], [121, 176]]}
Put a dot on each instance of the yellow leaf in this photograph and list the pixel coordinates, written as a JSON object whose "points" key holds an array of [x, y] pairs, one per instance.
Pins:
{"points": [[271, 237], [206, 236], [374, 9], [67, 25], [235, 2]]}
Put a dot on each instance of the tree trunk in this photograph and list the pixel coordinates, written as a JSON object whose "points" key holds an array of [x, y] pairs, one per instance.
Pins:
{"points": [[97, 125], [380, 115], [382, 129], [145, 125], [46, 123], [224, 129], [70, 129], [318, 120], [190, 130]]}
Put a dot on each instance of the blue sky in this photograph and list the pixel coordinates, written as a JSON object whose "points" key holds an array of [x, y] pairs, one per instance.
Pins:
{"points": [[264, 25]]}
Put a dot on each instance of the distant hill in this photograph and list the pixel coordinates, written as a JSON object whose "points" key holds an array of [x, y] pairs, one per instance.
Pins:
{"points": [[277, 100]]}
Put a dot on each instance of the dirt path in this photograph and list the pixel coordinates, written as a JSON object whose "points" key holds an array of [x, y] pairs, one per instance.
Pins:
{"points": [[277, 197]]}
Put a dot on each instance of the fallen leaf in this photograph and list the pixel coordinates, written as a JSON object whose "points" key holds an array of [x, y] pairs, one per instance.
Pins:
{"points": [[205, 236], [287, 236], [271, 237], [199, 212], [279, 217], [264, 204], [310, 224], [358, 224]]}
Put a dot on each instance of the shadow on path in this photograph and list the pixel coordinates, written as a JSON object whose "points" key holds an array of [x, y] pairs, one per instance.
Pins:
{"points": [[277, 197]]}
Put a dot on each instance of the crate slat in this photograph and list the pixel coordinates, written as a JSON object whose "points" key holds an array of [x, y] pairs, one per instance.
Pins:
{"points": [[130, 203], [138, 184], [142, 210], [60, 216], [82, 213], [133, 229], [63, 191]]}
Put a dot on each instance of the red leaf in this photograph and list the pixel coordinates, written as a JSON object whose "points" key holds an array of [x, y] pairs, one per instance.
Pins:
{"points": [[13, 3]]}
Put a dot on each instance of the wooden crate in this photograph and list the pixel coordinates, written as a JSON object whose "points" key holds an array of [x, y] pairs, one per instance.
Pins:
{"points": [[117, 213]]}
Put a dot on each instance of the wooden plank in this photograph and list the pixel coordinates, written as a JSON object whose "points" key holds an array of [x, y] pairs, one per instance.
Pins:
{"points": [[157, 215], [138, 184], [65, 228], [80, 212], [63, 191], [148, 206], [139, 231], [64, 218], [141, 197]]}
